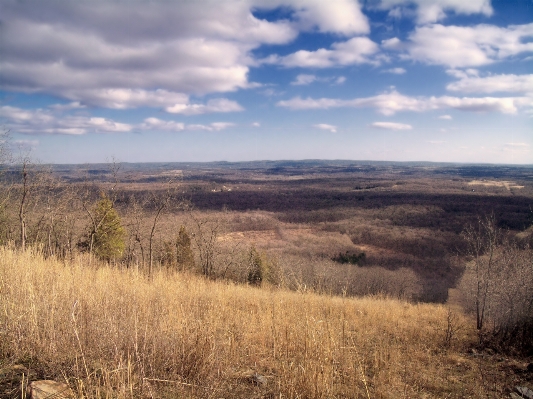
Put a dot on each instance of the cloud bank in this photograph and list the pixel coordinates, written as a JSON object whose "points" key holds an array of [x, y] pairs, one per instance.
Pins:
{"points": [[393, 102]]}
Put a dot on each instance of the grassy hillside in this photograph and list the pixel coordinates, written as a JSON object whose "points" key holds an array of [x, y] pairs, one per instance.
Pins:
{"points": [[113, 333]]}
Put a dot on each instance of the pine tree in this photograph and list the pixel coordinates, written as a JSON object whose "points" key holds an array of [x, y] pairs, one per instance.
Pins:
{"points": [[184, 254], [106, 234], [257, 271]]}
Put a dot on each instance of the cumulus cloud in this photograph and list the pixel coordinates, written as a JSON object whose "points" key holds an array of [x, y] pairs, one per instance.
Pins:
{"points": [[159, 124], [126, 98], [392, 44], [392, 102], [115, 55], [391, 126], [460, 47], [358, 50], [41, 121], [306, 79], [428, 11], [341, 16], [340, 80], [325, 126], [303, 79], [215, 105], [215, 126], [492, 84]]}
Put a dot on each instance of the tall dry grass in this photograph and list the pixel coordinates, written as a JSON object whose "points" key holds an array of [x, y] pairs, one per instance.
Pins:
{"points": [[113, 333]]}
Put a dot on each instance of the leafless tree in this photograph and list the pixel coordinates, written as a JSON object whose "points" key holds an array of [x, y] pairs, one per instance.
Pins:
{"points": [[135, 229], [482, 241], [160, 203], [205, 237], [497, 285]]}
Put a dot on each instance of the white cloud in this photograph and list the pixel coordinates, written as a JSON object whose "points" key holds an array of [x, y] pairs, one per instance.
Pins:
{"points": [[303, 79], [396, 71], [306, 79], [127, 98], [114, 54], [358, 50], [215, 105], [325, 126], [459, 47], [428, 11], [445, 117], [256, 124], [392, 102], [221, 125], [340, 80], [41, 121], [341, 16], [102, 124], [173, 126], [159, 124], [492, 84], [391, 126], [463, 73], [392, 44], [216, 126], [310, 103]]}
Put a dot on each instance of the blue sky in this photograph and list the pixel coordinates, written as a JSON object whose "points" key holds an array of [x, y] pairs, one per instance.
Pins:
{"points": [[239, 80]]}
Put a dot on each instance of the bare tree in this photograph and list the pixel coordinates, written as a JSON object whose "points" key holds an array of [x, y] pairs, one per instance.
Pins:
{"points": [[482, 241], [205, 236], [22, 204], [135, 228], [5, 183], [160, 203], [497, 286]]}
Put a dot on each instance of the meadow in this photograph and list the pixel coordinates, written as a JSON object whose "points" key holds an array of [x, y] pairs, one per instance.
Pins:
{"points": [[111, 332]]}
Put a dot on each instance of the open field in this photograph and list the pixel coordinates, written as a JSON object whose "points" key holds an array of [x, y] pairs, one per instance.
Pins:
{"points": [[357, 262], [113, 333]]}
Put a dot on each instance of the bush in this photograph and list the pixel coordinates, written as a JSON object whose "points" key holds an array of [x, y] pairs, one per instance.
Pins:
{"points": [[348, 257]]}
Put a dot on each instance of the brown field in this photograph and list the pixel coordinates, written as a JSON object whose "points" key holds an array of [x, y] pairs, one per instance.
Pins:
{"points": [[385, 327], [111, 332]]}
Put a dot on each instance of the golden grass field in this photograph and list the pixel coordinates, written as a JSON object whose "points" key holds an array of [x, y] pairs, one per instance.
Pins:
{"points": [[112, 333]]}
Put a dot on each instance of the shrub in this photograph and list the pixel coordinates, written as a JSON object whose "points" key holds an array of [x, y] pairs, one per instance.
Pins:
{"points": [[348, 257]]}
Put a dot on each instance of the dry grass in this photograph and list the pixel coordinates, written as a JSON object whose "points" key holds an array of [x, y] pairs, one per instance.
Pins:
{"points": [[113, 333]]}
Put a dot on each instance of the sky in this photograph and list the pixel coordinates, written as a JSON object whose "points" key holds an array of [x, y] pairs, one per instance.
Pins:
{"points": [[240, 80]]}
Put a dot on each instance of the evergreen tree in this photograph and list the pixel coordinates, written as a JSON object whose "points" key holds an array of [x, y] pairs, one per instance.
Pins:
{"points": [[257, 267], [106, 234], [184, 254]]}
